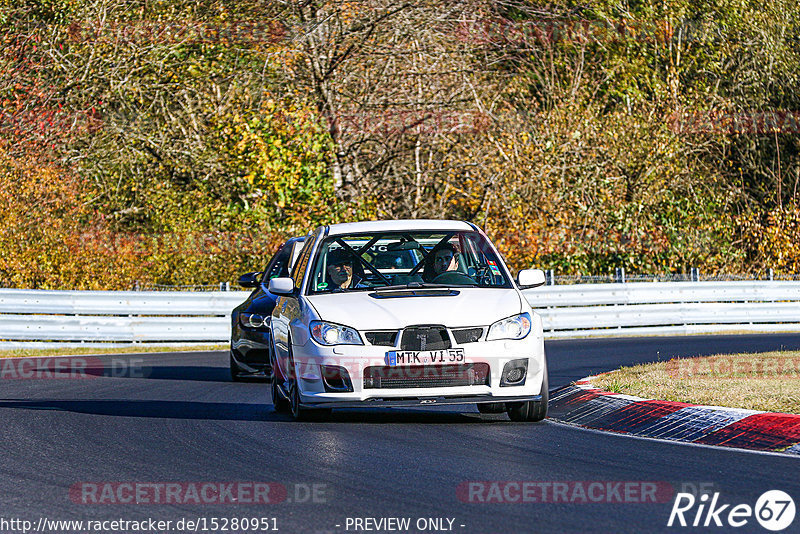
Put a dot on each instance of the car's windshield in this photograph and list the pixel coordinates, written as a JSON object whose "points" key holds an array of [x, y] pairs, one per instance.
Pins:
{"points": [[406, 259]]}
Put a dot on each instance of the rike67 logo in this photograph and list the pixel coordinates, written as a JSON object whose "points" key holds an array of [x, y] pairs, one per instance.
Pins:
{"points": [[774, 510]]}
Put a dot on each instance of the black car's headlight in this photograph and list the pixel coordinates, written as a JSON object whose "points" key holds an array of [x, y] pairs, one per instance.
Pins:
{"points": [[334, 334], [254, 320]]}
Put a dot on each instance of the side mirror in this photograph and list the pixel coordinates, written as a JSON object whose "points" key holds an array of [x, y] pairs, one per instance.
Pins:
{"points": [[281, 286], [530, 278], [250, 279]]}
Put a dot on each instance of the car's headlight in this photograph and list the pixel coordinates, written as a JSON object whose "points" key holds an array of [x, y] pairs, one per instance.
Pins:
{"points": [[516, 327], [334, 334], [254, 320]]}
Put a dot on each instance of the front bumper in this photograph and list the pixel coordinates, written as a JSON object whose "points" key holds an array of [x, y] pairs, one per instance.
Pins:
{"points": [[251, 351], [355, 359]]}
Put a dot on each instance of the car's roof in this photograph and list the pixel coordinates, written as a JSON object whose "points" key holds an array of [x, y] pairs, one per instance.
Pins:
{"points": [[398, 225]]}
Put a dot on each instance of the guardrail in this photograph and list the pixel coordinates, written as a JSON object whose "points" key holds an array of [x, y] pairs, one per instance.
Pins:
{"points": [[667, 308], [88, 317], [66, 317]]}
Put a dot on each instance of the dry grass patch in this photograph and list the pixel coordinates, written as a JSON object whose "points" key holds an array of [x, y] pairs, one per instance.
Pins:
{"points": [[767, 381], [80, 351]]}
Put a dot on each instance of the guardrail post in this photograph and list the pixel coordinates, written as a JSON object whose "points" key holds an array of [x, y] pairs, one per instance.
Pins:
{"points": [[619, 275], [770, 274], [695, 274], [549, 278]]}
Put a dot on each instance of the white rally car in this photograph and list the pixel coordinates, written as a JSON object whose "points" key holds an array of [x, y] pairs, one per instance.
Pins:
{"points": [[406, 313]]}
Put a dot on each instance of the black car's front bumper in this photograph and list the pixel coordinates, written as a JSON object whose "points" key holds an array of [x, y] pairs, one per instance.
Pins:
{"points": [[250, 353]]}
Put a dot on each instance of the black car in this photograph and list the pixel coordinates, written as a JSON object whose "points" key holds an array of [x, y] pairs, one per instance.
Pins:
{"points": [[250, 321]]}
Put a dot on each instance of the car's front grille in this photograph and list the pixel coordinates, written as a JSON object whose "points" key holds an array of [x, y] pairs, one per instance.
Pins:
{"points": [[384, 377], [425, 337], [467, 335], [382, 338]]}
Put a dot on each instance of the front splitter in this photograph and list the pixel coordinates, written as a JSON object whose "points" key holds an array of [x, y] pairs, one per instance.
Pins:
{"points": [[382, 402]]}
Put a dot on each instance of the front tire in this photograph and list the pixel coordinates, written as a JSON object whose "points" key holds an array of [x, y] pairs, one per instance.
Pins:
{"points": [[305, 414], [279, 402], [299, 412], [531, 411]]}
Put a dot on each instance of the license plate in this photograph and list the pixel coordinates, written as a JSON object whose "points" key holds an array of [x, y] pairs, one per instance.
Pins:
{"points": [[396, 358]]}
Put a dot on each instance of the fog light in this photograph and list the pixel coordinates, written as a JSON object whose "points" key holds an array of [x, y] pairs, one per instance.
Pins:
{"points": [[514, 375], [335, 379], [514, 372]]}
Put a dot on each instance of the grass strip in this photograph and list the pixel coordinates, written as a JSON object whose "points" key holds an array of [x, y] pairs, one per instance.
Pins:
{"points": [[762, 381]]}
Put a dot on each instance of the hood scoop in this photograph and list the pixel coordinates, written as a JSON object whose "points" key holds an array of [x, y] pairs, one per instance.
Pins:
{"points": [[405, 293]]}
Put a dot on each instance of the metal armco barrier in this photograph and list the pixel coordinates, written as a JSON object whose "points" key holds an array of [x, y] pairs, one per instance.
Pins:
{"points": [[69, 317], [660, 308]]}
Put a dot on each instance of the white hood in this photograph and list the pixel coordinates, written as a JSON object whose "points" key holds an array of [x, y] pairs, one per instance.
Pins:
{"points": [[471, 307]]}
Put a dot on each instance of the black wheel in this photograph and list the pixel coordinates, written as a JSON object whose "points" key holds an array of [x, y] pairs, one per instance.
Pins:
{"points": [[305, 414], [531, 411], [492, 407], [279, 402], [299, 412], [234, 370]]}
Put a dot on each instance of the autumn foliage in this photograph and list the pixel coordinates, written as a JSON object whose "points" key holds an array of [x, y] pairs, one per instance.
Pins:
{"points": [[51, 238], [179, 142]]}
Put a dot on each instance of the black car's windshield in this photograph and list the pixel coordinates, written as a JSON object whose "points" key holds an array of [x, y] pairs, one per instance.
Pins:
{"points": [[406, 259]]}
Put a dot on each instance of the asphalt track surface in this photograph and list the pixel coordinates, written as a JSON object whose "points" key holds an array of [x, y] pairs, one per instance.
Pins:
{"points": [[179, 418]]}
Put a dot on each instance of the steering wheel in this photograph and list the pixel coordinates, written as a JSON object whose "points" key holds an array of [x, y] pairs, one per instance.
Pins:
{"points": [[482, 275], [454, 278]]}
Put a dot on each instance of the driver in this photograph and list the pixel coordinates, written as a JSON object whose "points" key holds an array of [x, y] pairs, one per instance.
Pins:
{"points": [[340, 270], [444, 259]]}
